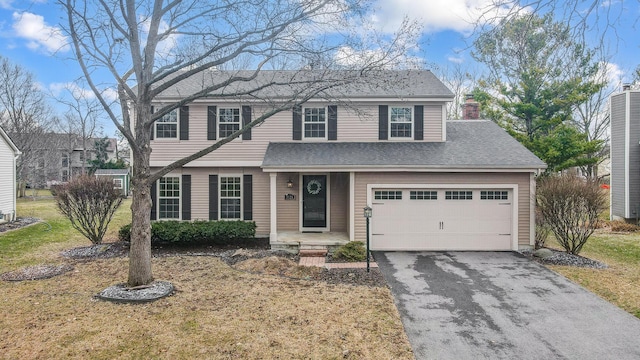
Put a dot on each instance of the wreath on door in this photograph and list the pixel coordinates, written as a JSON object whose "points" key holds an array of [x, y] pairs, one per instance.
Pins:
{"points": [[314, 187]]}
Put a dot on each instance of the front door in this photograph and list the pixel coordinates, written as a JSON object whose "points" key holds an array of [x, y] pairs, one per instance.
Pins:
{"points": [[314, 201]]}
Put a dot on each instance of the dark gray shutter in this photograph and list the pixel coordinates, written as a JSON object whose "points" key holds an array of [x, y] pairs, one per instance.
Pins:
{"points": [[184, 123], [211, 122], [213, 197], [154, 201], [153, 127], [332, 123], [247, 197], [186, 197], [383, 122], [297, 123], [418, 122], [246, 119]]}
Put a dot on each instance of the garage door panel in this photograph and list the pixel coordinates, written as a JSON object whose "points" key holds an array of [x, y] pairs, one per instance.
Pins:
{"points": [[420, 220]]}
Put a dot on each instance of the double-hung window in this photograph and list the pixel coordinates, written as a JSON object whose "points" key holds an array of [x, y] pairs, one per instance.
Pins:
{"points": [[169, 197], [117, 183], [315, 123], [230, 197], [167, 125], [400, 122], [229, 121]]}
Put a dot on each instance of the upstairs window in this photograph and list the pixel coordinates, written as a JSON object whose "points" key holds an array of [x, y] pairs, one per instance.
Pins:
{"points": [[167, 126], [229, 121], [315, 123], [400, 123], [65, 160]]}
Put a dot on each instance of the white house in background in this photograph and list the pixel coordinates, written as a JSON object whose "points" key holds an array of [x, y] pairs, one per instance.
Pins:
{"points": [[8, 155]]}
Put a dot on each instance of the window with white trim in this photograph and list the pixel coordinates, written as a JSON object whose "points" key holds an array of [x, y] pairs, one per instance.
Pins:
{"points": [[494, 195], [167, 125], [169, 197], [315, 123], [117, 183], [228, 121], [458, 195], [230, 198], [400, 122], [423, 195], [387, 195]]}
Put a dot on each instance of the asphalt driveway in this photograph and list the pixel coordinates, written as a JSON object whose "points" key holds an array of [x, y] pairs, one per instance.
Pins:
{"points": [[500, 305]]}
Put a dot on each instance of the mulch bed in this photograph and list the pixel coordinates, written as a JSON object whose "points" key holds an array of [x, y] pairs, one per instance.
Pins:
{"points": [[18, 223], [36, 272], [563, 258]]}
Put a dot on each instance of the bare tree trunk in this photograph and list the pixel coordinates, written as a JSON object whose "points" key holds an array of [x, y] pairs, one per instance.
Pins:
{"points": [[140, 252]]}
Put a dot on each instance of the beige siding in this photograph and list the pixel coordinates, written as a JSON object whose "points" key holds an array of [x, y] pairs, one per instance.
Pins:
{"points": [[288, 210], [200, 193], [522, 179], [339, 202], [433, 122], [360, 125]]}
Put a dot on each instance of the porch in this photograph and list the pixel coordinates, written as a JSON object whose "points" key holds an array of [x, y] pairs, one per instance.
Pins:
{"points": [[295, 240]]}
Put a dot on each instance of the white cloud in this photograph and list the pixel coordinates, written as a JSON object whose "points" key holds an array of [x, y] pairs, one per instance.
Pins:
{"points": [[610, 73], [78, 92], [165, 47], [350, 57], [39, 35], [437, 15], [455, 59], [5, 4]]}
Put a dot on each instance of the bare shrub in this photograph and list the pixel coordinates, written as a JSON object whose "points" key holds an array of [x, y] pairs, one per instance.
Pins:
{"points": [[542, 230], [570, 206], [89, 203]]}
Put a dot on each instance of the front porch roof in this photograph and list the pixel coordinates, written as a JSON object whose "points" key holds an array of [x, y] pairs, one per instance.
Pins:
{"points": [[469, 145]]}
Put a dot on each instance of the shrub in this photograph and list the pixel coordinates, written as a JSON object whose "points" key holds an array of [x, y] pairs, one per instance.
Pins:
{"points": [[196, 232], [90, 204], [570, 206], [351, 251], [621, 226], [542, 230]]}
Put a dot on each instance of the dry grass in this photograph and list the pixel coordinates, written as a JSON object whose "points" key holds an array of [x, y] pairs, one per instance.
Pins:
{"points": [[217, 312], [620, 283]]}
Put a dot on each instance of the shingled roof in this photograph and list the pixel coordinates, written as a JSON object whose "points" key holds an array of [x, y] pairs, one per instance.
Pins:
{"points": [[404, 84], [477, 144]]}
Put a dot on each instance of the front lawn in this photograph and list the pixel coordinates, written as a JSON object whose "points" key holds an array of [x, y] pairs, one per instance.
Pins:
{"points": [[620, 283], [217, 311]]}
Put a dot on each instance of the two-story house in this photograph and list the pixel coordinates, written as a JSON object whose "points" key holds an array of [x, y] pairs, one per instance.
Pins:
{"points": [[304, 176]]}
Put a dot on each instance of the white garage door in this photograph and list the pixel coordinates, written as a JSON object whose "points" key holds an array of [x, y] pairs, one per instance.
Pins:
{"points": [[441, 219]]}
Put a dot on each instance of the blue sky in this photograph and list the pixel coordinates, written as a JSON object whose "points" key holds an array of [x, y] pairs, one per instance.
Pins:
{"points": [[30, 35]]}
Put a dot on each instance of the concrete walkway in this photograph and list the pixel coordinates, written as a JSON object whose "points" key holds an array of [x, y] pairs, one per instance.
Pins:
{"points": [[488, 305], [319, 261]]}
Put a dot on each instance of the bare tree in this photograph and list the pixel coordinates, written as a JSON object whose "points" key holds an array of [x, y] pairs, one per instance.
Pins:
{"points": [[24, 115], [155, 45], [81, 117], [461, 81]]}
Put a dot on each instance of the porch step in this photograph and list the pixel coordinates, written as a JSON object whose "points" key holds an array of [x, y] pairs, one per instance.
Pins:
{"points": [[312, 251]]}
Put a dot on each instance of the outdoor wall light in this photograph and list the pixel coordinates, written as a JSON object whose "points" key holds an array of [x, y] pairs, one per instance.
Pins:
{"points": [[368, 211], [290, 183]]}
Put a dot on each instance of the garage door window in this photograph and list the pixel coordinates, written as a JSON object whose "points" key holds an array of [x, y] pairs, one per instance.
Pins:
{"points": [[494, 195], [388, 195], [423, 195], [458, 195]]}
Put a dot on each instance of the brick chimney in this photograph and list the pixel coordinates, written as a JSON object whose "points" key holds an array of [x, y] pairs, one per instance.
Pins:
{"points": [[470, 108]]}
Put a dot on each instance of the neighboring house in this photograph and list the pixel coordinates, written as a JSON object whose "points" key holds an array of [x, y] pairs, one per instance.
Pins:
{"points": [[625, 155], [8, 156], [304, 176], [120, 178], [62, 157]]}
